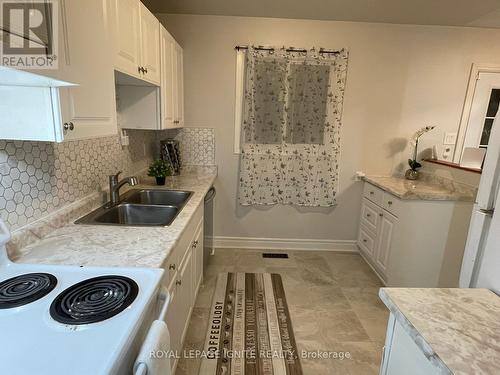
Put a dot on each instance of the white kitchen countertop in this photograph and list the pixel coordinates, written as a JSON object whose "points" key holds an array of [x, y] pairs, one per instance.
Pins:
{"points": [[458, 330], [116, 246], [423, 189]]}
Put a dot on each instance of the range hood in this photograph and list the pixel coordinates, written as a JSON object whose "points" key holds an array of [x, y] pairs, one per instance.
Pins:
{"points": [[15, 77], [30, 106]]}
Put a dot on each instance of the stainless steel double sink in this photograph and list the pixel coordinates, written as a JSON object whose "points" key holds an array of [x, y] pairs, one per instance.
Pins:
{"points": [[140, 207]]}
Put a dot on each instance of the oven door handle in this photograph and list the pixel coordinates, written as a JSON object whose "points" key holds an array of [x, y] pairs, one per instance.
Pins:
{"points": [[165, 302]]}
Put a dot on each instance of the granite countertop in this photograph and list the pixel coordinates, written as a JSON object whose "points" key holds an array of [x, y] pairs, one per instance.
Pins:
{"points": [[458, 330], [424, 189], [115, 246]]}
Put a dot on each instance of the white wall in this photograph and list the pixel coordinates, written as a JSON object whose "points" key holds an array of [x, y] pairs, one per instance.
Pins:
{"points": [[400, 78]]}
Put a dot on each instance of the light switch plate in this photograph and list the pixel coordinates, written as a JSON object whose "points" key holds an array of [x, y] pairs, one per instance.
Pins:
{"points": [[450, 138]]}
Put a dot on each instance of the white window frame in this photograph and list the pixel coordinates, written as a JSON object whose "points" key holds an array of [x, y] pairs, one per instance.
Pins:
{"points": [[239, 97]]}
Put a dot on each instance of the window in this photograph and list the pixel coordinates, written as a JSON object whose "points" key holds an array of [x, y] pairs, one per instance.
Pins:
{"points": [[490, 117], [290, 106]]}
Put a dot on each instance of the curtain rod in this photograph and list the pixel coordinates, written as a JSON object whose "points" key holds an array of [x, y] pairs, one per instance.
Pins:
{"points": [[291, 49]]}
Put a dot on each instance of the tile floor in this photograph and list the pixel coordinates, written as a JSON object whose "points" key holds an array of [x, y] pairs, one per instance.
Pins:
{"points": [[333, 302]]}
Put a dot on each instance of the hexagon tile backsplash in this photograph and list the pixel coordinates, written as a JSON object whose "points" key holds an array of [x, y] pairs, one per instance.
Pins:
{"points": [[37, 178]]}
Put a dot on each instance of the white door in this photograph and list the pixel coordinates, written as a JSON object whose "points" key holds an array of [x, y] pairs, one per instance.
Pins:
{"points": [[483, 111], [179, 54], [89, 109], [150, 46], [168, 76], [382, 252], [125, 26]]}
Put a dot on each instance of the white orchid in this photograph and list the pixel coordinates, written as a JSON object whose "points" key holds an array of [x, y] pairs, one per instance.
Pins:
{"points": [[413, 163], [419, 133]]}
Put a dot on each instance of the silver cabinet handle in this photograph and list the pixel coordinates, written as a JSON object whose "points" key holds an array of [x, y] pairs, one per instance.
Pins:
{"points": [[368, 215], [171, 267], [68, 126], [195, 243], [372, 192], [178, 282], [389, 203], [365, 240], [380, 215]]}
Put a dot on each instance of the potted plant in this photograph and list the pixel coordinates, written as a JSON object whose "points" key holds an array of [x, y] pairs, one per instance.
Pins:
{"points": [[160, 169], [412, 173]]}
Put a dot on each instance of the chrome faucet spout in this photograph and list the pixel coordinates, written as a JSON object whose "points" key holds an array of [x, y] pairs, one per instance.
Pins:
{"points": [[115, 185]]}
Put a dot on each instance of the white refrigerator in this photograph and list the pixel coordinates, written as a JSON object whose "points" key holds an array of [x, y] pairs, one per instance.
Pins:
{"points": [[481, 262]]}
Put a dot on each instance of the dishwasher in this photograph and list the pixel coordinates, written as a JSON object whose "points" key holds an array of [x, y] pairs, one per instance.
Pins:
{"points": [[208, 227]]}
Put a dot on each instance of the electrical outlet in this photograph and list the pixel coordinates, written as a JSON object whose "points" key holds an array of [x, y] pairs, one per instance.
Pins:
{"points": [[447, 151], [450, 138]]}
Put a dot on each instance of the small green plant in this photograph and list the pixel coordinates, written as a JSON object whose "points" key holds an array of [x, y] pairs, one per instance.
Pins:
{"points": [[160, 168]]}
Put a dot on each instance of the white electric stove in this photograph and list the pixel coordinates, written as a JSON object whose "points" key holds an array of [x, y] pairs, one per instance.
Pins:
{"points": [[60, 320]]}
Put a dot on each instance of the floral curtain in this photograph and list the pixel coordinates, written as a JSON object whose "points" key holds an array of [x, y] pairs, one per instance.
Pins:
{"points": [[291, 126]]}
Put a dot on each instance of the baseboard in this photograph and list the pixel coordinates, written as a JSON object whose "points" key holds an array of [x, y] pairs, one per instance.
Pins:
{"points": [[284, 244]]}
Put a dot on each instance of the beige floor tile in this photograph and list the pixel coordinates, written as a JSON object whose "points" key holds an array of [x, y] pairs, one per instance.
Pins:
{"points": [[341, 325], [333, 302]]}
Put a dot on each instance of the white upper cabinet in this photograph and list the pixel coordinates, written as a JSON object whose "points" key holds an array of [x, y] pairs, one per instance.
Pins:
{"points": [[85, 109], [172, 82], [89, 108], [136, 34], [125, 26], [179, 74], [150, 46]]}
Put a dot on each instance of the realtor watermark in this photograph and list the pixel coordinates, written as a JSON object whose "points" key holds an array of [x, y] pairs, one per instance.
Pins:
{"points": [[29, 34]]}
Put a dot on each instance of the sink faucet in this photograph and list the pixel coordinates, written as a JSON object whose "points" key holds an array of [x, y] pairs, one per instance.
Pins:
{"points": [[115, 185]]}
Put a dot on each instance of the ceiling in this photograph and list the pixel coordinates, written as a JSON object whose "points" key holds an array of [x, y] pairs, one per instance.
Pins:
{"points": [[475, 13]]}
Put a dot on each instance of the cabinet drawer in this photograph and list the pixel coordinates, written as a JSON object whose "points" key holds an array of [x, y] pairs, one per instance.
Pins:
{"points": [[366, 241], [373, 193], [391, 204], [370, 215]]}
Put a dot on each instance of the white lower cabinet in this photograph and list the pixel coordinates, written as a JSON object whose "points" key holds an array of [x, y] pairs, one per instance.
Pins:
{"points": [[413, 243], [183, 277], [402, 355], [388, 224], [375, 235]]}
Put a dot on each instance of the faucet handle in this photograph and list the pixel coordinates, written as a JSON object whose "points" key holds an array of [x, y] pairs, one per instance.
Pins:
{"points": [[114, 177]]}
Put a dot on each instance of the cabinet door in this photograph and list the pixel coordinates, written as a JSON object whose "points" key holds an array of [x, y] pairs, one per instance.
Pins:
{"points": [[385, 234], [198, 260], [179, 86], [90, 107], [168, 77], [184, 291], [150, 46], [174, 320], [125, 25], [403, 356]]}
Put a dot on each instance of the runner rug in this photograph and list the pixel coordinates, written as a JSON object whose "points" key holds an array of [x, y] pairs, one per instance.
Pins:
{"points": [[250, 332]]}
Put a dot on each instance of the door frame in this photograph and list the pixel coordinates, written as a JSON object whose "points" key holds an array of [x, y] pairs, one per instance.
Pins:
{"points": [[476, 69]]}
